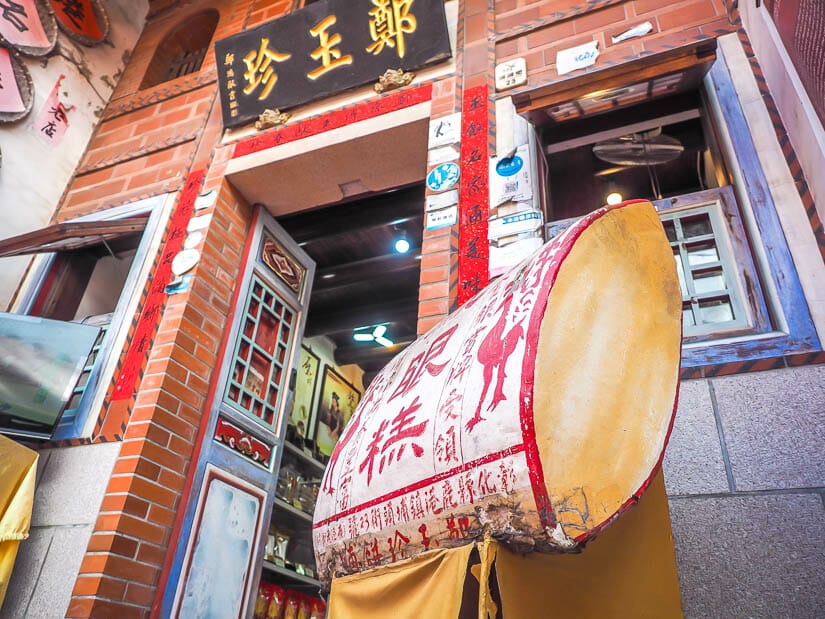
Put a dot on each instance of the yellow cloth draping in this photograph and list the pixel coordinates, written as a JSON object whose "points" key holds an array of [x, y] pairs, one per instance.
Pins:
{"points": [[429, 585], [17, 472], [628, 571]]}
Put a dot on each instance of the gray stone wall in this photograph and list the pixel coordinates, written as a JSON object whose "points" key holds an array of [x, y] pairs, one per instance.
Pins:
{"points": [[70, 486], [745, 473]]}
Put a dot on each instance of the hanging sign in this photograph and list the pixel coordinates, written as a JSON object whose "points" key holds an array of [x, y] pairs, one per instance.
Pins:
{"points": [[325, 48], [11, 100], [83, 20], [27, 28]]}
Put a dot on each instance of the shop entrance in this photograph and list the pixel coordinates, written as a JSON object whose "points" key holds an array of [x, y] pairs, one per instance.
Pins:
{"points": [[362, 311]]}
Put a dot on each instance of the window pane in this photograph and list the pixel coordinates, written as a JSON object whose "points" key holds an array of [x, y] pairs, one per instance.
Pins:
{"points": [[670, 231], [681, 272], [716, 310], [702, 254], [709, 281], [697, 225], [687, 317]]}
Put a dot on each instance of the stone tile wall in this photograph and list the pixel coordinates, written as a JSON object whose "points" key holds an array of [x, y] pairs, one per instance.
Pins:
{"points": [[69, 489], [745, 475]]}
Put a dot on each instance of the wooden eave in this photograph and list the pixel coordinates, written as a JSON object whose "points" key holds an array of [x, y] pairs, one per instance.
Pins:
{"points": [[694, 57]]}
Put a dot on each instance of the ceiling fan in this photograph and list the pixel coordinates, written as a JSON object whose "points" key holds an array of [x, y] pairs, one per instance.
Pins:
{"points": [[638, 149]]}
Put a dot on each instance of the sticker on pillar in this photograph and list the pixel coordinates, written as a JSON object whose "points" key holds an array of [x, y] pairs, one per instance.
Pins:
{"points": [[511, 74], [179, 284], [445, 130], [441, 200], [510, 178], [442, 219], [185, 261], [206, 200], [518, 223], [442, 154], [443, 177], [578, 57]]}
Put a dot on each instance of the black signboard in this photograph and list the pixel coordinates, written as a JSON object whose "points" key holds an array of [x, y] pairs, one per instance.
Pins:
{"points": [[323, 49]]}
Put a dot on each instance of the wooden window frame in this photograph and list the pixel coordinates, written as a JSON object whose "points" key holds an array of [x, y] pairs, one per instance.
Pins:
{"points": [[742, 285]]}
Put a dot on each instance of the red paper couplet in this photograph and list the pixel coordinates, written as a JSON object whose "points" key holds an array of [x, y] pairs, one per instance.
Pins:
{"points": [[11, 101], [78, 17], [20, 24], [474, 196], [153, 305]]}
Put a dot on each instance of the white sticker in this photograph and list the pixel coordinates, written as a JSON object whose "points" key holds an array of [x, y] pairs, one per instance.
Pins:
{"points": [[206, 200], [442, 154], [442, 219], [445, 130], [441, 200], [511, 74], [199, 223], [637, 31], [578, 57]]}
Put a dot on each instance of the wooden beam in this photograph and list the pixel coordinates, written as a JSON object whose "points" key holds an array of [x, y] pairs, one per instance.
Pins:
{"points": [[351, 272], [349, 318]]}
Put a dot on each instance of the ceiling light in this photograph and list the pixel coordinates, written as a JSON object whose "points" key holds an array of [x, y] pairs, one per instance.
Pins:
{"points": [[372, 334], [614, 198], [383, 341], [402, 245]]}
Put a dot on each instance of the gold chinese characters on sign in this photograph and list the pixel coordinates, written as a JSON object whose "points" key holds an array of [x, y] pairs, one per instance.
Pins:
{"points": [[390, 20], [325, 48]]}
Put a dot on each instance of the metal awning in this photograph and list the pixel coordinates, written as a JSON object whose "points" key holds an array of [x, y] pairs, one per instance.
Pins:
{"points": [[70, 235]]}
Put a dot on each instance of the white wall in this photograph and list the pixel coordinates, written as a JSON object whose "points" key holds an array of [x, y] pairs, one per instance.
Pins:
{"points": [[33, 176], [103, 292]]}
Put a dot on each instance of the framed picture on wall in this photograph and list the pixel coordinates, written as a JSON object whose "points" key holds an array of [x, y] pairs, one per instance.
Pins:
{"points": [[338, 401], [303, 413]]}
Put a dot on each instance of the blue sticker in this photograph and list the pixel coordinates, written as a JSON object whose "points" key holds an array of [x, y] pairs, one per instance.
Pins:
{"points": [[509, 166], [443, 177]]}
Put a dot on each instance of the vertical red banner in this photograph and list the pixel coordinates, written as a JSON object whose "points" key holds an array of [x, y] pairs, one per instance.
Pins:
{"points": [[474, 196], [152, 310]]}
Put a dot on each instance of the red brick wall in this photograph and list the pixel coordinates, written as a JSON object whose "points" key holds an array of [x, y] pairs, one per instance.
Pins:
{"points": [[537, 29], [148, 143]]}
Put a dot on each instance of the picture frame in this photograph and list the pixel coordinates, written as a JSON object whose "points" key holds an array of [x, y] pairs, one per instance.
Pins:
{"points": [[303, 415], [338, 401]]}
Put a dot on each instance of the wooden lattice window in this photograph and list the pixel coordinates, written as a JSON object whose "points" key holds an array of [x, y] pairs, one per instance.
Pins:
{"points": [[182, 50], [262, 352]]}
